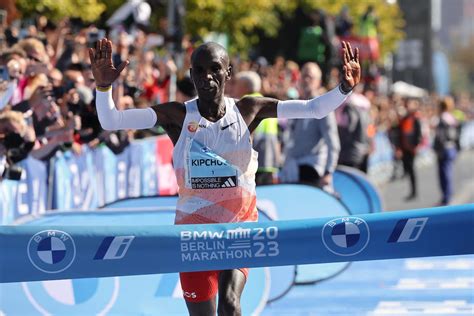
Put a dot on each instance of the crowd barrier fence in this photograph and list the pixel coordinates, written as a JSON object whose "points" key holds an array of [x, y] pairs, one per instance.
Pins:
{"points": [[96, 177]]}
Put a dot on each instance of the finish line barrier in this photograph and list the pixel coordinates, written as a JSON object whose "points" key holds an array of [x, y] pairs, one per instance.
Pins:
{"points": [[35, 253]]}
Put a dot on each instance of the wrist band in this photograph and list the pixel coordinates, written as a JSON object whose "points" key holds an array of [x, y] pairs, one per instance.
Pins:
{"points": [[342, 90], [103, 89]]}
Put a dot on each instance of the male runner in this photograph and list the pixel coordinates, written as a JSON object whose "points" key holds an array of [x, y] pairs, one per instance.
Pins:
{"points": [[213, 157]]}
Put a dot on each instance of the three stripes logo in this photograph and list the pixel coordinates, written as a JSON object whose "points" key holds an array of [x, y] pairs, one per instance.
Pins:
{"points": [[229, 183], [408, 230], [114, 247]]}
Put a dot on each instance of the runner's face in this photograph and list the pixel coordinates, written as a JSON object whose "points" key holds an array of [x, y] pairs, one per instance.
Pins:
{"points": [[209, 73]]}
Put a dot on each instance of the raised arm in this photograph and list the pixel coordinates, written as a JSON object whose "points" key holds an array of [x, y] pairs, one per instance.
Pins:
{"points": [[320, 106], [105, 74]]}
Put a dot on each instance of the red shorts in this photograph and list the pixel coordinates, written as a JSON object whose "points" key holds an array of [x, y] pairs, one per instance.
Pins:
{"points": [[203, 285]]}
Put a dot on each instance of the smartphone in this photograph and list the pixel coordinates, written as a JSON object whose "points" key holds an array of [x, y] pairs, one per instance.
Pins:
{"points": [[94, 36], [4, 75]]}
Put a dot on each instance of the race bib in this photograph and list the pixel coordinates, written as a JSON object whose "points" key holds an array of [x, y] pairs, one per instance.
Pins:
{"points": [[207, 170]]}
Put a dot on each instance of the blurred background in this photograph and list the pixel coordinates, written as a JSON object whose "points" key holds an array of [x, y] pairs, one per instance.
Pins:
{"points": [[416, 60], [407, 129]]}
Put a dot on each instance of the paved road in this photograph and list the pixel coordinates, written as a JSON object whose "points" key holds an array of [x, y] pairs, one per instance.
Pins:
{"points": [[393, 193], [416, 286]]}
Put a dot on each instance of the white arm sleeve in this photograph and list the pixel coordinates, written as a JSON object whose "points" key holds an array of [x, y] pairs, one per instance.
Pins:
{"points": [[112, 119], [318, 107]]}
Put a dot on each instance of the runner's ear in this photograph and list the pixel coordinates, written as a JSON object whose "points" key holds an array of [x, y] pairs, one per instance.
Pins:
{"points": [[228, 72]]}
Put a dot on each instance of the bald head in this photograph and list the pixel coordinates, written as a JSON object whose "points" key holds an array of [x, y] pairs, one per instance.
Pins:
{"points": [[209, 71], [310, 80], [212, 49]]}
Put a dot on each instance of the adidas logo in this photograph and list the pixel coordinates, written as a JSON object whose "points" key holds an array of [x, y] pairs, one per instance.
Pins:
{"points": [[228, 184]]}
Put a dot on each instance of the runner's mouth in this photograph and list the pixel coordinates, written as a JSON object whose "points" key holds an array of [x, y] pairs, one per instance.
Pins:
{"points": [[208, 89]]}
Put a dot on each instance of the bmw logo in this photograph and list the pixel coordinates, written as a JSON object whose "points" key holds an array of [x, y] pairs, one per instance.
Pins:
{"points": [[346, 236], [51, 251]]}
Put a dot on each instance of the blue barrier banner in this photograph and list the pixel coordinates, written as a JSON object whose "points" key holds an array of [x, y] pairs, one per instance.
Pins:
{"points": [[63, 197], [75, 185], [356, 191], [149, 174], [99, 172], [3, 205], [35, 253], [26, 196], [134, 171], [296, 201], [8, 190], [112, 174], [108, 170], [149, 203], [282, 278], [383, 150], [167, 184], [122, 167], [159, 294], [142, 176], [87, 176], [34, 177]]}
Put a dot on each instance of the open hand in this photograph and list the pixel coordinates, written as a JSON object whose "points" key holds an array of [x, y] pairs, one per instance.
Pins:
{"points": [[103, 69], [351, 68]]}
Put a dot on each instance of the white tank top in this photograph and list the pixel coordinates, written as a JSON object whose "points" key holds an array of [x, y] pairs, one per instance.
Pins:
{"points": [[215, 167]]}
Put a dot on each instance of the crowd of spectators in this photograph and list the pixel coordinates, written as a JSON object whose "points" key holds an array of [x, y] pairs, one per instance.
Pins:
{"points": [[47, 91]]}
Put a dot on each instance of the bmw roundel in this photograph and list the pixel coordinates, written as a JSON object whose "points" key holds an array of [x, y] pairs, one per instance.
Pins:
{"points": [[51, 251], [346, 236]]}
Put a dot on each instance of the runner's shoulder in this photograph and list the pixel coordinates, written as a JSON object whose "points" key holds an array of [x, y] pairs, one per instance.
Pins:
{"points": [[255, 103], [170, 111]]}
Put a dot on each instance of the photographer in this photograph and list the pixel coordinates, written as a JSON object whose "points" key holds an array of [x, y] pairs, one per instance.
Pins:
{"points": [[17, 140], [54, 132]]}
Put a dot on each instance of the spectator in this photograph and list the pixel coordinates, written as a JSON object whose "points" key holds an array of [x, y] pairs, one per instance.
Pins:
{"points": [[410, 139], [445, 146], [17, 140], [312, 148], [315, 44], [369, 23], [344, 23], [265, 137], [353, 122]]}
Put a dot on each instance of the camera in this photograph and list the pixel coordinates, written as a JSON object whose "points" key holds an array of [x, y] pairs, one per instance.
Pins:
{"points": [[12, 172], [17, 149]]}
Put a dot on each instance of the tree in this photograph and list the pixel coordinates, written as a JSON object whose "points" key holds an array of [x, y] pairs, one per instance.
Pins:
{"points": [[241, 19], [238, 19], [87, 10], [391, 23]]}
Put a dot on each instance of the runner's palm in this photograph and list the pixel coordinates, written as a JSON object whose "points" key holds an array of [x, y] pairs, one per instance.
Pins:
{"points": [[103, 69], [351, 68]]}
